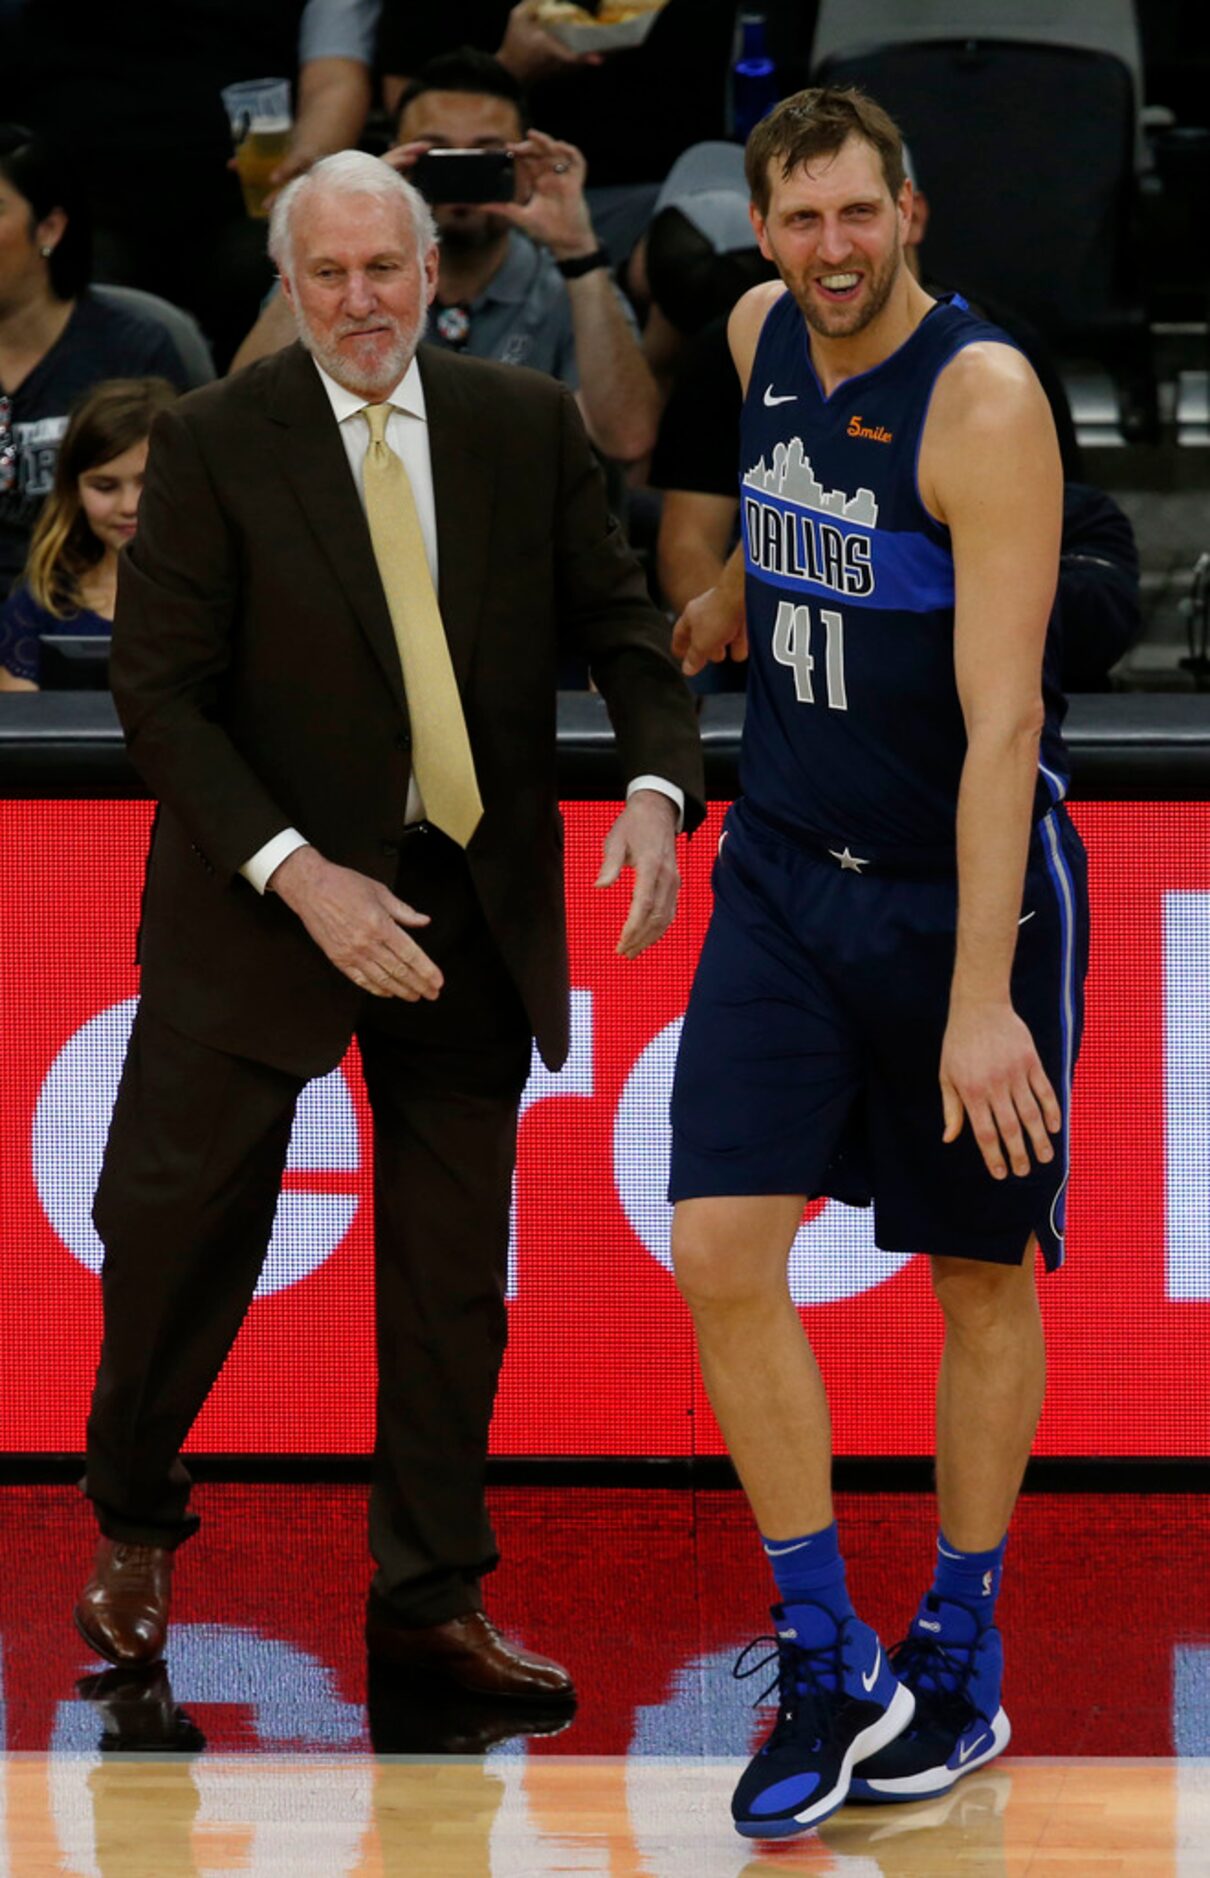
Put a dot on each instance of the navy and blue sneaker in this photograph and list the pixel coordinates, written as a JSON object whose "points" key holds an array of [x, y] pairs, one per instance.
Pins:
{"points": [[954, 1670], [837, 1702]]}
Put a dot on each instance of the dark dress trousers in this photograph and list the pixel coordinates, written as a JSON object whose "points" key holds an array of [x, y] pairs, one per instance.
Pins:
{"points": [[256, 673]]}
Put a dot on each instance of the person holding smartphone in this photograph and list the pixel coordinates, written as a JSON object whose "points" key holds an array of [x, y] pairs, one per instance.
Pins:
{"points": [[523, 278]]}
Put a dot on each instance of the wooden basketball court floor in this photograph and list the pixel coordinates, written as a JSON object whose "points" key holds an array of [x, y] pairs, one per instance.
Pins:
{"points": [[265, 1745], [521, 1817]]}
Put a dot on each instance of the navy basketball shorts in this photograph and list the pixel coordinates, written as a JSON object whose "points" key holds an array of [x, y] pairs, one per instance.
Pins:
{"points": [[810, 1052]]}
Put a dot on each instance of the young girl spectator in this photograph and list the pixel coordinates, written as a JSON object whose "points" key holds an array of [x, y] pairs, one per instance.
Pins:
{"points": [[57, 337], [71, 574]]}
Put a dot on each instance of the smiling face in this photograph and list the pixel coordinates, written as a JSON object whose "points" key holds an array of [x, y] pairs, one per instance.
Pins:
{"points": [[358, 287], [836, 237], [109, 496]]}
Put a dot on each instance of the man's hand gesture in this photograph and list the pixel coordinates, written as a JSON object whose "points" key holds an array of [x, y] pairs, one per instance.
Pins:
{"points": [[991, 1073], [359, 925], [644, 837]]}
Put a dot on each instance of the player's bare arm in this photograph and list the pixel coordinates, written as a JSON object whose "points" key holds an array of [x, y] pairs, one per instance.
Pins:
{"points": [[714, 624], [990, 471]]}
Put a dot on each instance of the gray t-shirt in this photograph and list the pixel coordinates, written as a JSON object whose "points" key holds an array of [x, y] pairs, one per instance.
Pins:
{"points": [[522, 317]]}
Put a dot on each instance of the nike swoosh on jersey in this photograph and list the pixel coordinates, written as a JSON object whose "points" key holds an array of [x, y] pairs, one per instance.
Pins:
{"points": [[788, 397]]}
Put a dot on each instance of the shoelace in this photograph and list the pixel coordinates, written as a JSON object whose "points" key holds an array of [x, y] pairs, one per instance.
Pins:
{"points": [[803, 1700], [938, 1673]]}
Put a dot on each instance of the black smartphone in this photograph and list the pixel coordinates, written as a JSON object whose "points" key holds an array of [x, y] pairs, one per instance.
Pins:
{"points": [[465, 176]]}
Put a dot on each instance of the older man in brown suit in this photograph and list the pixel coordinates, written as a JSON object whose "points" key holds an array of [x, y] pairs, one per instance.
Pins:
{"points": [[334, 658]]}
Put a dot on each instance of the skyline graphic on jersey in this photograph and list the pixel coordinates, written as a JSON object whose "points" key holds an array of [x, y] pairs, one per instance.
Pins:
{"points": [[792, 478]]}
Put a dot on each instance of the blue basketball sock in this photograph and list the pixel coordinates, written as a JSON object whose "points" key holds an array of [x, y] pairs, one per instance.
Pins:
{"points": [[971, 1579], [810, 1570]]}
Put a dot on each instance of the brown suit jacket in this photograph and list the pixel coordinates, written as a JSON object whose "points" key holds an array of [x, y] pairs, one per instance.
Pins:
{"points": [[255, 671]]}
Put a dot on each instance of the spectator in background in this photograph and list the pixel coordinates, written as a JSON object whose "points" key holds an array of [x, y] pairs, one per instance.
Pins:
{"points": [[693, 259], [631, 113], [71, 576], [135, 93], [523, 283], [56, 338]]}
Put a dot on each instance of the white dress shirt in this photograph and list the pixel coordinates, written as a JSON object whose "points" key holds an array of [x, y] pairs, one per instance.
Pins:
{"points": [[407, 434]]}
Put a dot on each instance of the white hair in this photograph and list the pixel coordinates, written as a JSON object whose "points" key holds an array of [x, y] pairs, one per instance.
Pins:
{"points": [[348, 173]]}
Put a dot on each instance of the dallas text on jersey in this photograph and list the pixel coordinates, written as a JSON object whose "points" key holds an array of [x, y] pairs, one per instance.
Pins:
{"points": [[802, 546]]}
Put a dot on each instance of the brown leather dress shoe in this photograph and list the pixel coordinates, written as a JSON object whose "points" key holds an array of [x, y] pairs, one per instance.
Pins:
{"points": [[470, 1653], [123, 1609]]}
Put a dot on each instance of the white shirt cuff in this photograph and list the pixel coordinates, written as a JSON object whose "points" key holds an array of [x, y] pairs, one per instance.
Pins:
{"points": [[266, 859], [663, 788]]}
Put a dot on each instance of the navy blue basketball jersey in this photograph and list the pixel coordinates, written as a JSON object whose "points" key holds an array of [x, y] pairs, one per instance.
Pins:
{"points": [[854, 728]]}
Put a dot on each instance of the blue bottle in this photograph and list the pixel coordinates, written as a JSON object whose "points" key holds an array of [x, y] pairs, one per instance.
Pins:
{"points": [[753, 77]]}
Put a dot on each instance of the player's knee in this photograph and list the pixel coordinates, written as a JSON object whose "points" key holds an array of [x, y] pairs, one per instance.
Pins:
{"points": [[977, 1296], [713, 1267]]}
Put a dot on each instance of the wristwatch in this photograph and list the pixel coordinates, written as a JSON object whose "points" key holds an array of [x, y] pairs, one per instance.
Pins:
{"points": [[583, 264]]}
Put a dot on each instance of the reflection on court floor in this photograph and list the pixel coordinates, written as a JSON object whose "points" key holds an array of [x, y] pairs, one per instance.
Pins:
{"points": [[265, 1744], [355, 1817]]}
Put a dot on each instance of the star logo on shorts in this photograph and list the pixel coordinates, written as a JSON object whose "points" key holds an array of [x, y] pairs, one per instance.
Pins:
{"points": [[853, 862]]}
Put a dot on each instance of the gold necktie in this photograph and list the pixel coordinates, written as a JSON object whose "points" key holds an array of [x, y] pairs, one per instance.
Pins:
{"points": [[441, 751]]}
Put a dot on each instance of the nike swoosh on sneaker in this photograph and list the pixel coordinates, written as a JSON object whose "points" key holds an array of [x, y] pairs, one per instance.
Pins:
{"points": [[867, 1682], [789, 397], [964, 1754]]}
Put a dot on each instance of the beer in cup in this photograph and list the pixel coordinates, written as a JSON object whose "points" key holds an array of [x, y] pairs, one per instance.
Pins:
{"points": [[257, 155], [258, 110]]}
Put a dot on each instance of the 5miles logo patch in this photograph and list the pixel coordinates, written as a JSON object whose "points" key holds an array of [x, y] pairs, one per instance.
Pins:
{"points": [[872, 433]]}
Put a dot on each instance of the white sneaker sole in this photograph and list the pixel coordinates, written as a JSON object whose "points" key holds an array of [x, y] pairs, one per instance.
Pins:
{"points": [[890, 1725], [932, 1781]]}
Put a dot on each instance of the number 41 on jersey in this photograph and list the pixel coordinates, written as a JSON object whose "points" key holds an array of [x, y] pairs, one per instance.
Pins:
{"points": [[792, 647]]}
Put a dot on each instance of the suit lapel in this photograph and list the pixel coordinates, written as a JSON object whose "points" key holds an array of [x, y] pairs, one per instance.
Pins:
{"points": [[463, 492], [315, 466]]}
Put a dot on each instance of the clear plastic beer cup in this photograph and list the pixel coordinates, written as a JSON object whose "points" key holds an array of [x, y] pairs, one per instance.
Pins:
{"points": [[259, 113]]}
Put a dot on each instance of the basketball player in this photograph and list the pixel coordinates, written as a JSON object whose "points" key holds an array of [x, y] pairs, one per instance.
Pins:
{"points": [[888, 1002]]}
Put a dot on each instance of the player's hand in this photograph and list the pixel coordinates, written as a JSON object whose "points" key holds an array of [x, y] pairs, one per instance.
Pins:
{"points": [[707, 630], [359, 925], [991, 1075], [644, 837]]}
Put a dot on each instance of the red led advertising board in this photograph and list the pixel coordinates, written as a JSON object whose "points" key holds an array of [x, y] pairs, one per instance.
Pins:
{"points": [[601, 1356]]}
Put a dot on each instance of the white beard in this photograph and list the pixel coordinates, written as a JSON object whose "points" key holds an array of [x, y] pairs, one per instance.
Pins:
{"points": [[338, 366]]}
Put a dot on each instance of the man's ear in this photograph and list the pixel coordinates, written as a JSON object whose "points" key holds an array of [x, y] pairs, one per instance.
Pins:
{"points": [[918, 225], [758, 228]]}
